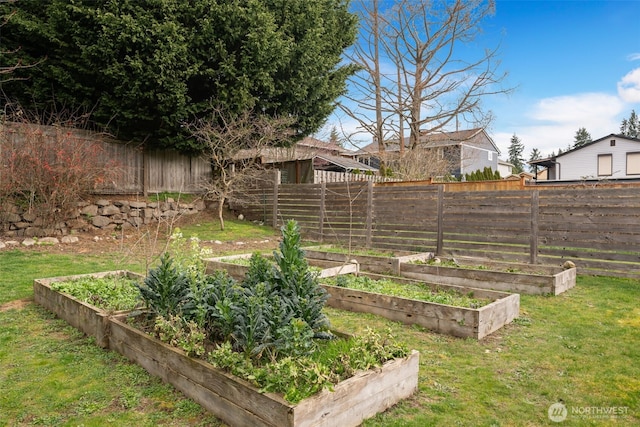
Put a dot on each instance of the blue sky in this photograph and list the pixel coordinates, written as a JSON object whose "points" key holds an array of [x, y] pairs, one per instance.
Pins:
{"points": [[572, 63]]}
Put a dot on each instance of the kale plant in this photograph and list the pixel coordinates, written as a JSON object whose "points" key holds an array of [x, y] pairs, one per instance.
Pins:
{"points": [[165, 288], [297, 283], [275, 311]]}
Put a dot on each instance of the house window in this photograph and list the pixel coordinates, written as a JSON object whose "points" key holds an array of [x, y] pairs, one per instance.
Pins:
{"points": [[612, 143], [490, 155], [633, 163], [605, 164]]}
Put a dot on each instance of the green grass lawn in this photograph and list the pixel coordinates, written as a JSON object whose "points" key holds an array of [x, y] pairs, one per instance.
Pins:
{"points": [[581, 348], [233, 230], [19, 268]]}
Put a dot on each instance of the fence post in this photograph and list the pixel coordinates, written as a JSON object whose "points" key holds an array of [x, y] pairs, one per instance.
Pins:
{"points": [[369, 213], [276, 184], [440, 220], [535, 204], [145, 172], [323, 188]]}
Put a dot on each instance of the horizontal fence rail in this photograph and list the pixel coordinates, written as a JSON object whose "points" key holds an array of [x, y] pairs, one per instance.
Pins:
{"points": [[597, 228]]}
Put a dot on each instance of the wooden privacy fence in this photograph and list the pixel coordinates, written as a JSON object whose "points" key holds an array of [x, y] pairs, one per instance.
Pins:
{"points": [[136, 170], [597, 228], [151, 171]]}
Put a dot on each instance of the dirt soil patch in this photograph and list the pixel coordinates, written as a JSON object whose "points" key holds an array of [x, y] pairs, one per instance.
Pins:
{"points": [[18, 304]]}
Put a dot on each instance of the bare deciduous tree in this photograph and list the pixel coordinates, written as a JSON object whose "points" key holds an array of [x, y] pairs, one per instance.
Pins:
{"points": [[367, 84], [411, 69], [234, 146]]}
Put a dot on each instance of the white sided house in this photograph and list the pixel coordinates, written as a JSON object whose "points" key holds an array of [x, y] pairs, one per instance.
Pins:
{"points": [[611, 157]]}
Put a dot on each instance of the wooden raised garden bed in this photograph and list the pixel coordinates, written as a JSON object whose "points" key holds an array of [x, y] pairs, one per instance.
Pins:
{"points": [[445, 319], [238, 270], [238, 403], [233, 400], [531, 279], [235, 270], [373, 263], [477, 273], [90, 319]]}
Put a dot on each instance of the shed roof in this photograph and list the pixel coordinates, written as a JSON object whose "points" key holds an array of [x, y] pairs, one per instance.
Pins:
{"points": [[346, 163]]}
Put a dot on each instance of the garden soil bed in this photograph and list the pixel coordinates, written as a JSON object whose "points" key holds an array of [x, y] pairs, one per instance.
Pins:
{"points": [[233, 400], [88, 318], [373, 263], [522, 278], [238, 403], [463, 322]]}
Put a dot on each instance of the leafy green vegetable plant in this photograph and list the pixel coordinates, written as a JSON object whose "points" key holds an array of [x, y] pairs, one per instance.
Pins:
{"points": [[296, 281], [180, 333], [165, 288], [109, 293], [265, 329], [303, 376], [276, 310]]}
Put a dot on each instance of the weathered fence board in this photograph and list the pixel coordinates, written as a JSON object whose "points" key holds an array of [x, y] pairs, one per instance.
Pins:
{"points": [[598, 228]]}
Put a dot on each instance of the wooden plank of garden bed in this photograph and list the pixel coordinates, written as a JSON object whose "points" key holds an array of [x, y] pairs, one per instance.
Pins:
{"points": [[212, 388], [449, 320], [497, 314], [555, 282], [375, 390], [87, 318], [237, 271]]}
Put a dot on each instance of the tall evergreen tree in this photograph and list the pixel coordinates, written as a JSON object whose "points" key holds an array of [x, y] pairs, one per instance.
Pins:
{"points": [[535, 155], [334, 137], [581, 138], [147, 67], [624, 125], [516, 148], [631, 127], [634, 125]]}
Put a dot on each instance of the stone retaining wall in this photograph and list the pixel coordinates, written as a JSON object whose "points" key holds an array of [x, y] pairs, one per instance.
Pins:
{"points": [[100, 214]]}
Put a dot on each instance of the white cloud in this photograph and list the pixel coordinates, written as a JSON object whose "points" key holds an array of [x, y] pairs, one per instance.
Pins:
{"points": [[633, 57], [629, 86], [554, 121]]}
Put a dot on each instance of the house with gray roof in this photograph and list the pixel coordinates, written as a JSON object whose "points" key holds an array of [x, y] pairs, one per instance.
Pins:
{"points": [[466, 150], [612, 157]]}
